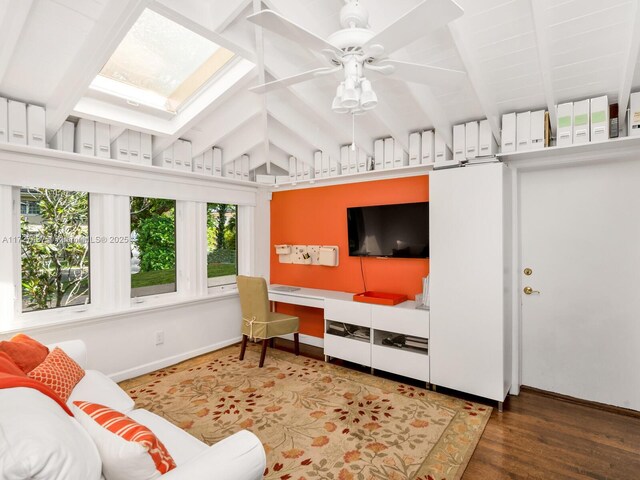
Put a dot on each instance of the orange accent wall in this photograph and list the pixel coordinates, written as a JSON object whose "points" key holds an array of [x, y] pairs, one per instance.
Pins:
{"points": [[318, 216]]}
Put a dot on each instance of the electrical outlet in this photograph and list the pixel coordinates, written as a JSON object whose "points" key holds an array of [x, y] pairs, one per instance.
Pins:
{"points": [[159, 337]]}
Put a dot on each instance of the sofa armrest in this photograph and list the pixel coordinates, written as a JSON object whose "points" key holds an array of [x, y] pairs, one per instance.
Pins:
{"points": [[238, 457], [76, 349]]}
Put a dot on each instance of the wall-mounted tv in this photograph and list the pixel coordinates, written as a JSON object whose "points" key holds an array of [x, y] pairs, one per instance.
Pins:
{"points": [[396, 231]]}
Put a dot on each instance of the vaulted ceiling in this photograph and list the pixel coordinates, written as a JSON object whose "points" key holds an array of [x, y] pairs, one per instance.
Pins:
{"points": [[518, 55]]}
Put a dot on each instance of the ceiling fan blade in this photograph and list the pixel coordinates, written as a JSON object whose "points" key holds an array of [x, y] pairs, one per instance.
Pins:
{"points": [[416, 73], [426, 17], [299, 78], [278, 24]]}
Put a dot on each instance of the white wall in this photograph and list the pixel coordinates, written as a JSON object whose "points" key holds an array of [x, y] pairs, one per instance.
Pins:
{"points": [[123, 346]]}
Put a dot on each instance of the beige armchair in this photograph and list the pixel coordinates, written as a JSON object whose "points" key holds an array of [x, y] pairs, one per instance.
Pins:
{"points": [[258, 322]]}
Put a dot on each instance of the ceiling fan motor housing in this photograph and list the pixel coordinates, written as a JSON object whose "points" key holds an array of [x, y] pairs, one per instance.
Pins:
{"points": [[354, 15]]}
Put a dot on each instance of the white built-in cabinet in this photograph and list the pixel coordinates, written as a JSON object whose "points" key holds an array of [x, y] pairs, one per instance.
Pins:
{"points": [[470, 279], [367, 326]]}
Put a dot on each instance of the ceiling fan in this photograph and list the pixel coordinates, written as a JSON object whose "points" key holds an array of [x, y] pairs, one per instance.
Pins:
{"points": [[357, 50]]}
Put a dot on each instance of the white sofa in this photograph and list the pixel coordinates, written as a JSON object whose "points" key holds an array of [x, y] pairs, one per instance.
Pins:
{"points": [[238, 457]]}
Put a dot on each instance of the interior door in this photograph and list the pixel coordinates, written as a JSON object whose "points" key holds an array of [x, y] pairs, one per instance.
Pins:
{"points": [[580, 237]]}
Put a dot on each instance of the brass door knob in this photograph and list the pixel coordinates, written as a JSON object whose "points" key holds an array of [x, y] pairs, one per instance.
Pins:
{"points": [[529, 291]]}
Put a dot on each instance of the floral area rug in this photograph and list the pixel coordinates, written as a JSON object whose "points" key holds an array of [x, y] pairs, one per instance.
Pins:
{"points": [[316, 420]]}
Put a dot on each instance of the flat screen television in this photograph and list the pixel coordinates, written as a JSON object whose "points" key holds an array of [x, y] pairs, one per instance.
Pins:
{"points": [[396, 231]]}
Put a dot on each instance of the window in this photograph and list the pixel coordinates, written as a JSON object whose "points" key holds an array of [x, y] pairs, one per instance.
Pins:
{"points": [[54, 243], [160, 64], [153, 246], [222, 244]]}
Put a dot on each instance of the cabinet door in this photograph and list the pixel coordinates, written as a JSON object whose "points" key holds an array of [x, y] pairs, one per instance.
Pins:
{"points": [[348, 312], [470, 337]]}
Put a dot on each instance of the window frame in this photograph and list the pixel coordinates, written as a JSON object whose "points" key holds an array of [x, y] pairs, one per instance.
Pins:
{"points": [[27, 316], [231, 285]]}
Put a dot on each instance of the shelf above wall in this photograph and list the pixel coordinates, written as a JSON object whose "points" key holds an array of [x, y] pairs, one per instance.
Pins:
{"points": [[572, 153], [369, 176]]}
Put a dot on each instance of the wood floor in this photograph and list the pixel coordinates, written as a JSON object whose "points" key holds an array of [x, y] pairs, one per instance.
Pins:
{"points": [[542, 437]]}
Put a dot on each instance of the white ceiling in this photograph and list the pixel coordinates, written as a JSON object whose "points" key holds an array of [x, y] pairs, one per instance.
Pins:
{"points": [[519, 55]]}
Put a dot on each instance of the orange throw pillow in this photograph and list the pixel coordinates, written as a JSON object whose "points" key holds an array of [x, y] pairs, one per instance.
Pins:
{"points": [[7, 365], [58, 372], [26, 352], [128, 449]]}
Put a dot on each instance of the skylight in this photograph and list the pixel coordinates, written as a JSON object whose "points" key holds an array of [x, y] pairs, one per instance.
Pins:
{"points": [[160, 64]]}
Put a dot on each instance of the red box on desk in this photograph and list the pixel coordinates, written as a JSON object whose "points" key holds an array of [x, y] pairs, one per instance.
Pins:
{"points": [[379, 298]]}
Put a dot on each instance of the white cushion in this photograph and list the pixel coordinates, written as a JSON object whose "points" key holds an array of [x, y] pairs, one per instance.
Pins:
{"points": [[123, 457], [40, 441], [96, 387], [182, 446]]}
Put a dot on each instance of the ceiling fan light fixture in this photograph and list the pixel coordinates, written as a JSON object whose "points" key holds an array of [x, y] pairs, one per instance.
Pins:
{"points": [[336, 106], [368, 98], [351, 94]]}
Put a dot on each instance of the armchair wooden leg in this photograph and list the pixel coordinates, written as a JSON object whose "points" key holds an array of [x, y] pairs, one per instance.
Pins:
{"points": [[264, 352], [243, 347], [296, 342]]}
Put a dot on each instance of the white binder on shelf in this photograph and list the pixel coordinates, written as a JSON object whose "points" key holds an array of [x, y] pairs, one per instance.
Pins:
{"points": [[245, 166], [326, 165], [363, 163], [292, 169], [207, 162], [103, 140], [400, 157], [508, 137], [86, 137], [119, 147], [228, 170], [266, 179], [581, 124], [165, 158], [187, 155], [344, 160], [146, 148], [428, 148], [334, 167], [565, 124], [414, 149], [472, 140], [388, 153], [443, 154], [135, 143], [317, 164], [600, 119], [299, 170], [378, 154], [486, 141], [537, 129], [353, 160], [237, 169], [17, 115], [198, 164], [523, 131], [36, 126], [4, 120], [217, 162], [178, 155], [459, 143]]}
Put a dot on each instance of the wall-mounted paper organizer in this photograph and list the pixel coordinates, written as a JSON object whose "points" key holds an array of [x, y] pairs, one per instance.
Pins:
{"points": [[325, 255]]}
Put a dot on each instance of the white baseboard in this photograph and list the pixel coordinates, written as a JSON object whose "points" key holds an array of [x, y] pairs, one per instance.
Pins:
{"points": [[165, 362], [306, 339]]}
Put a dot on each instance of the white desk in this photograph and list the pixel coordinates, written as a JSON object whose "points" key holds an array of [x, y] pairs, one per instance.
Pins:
{"points": [[308, 297]]}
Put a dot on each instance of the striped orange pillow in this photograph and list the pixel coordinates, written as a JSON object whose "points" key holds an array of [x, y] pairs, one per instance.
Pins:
{"points": [[124, 428], [59, 372]]}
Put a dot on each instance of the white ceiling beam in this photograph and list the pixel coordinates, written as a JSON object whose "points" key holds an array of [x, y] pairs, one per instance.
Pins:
{"points": [[629, 67], [224, 13], [223, 124], [11, 26], [197, 16], [108, 32], [431, 106], [290, 142], [280, 108], [542, 47], [237, 91], [486, 100], [242, 141], [264, 116]]}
